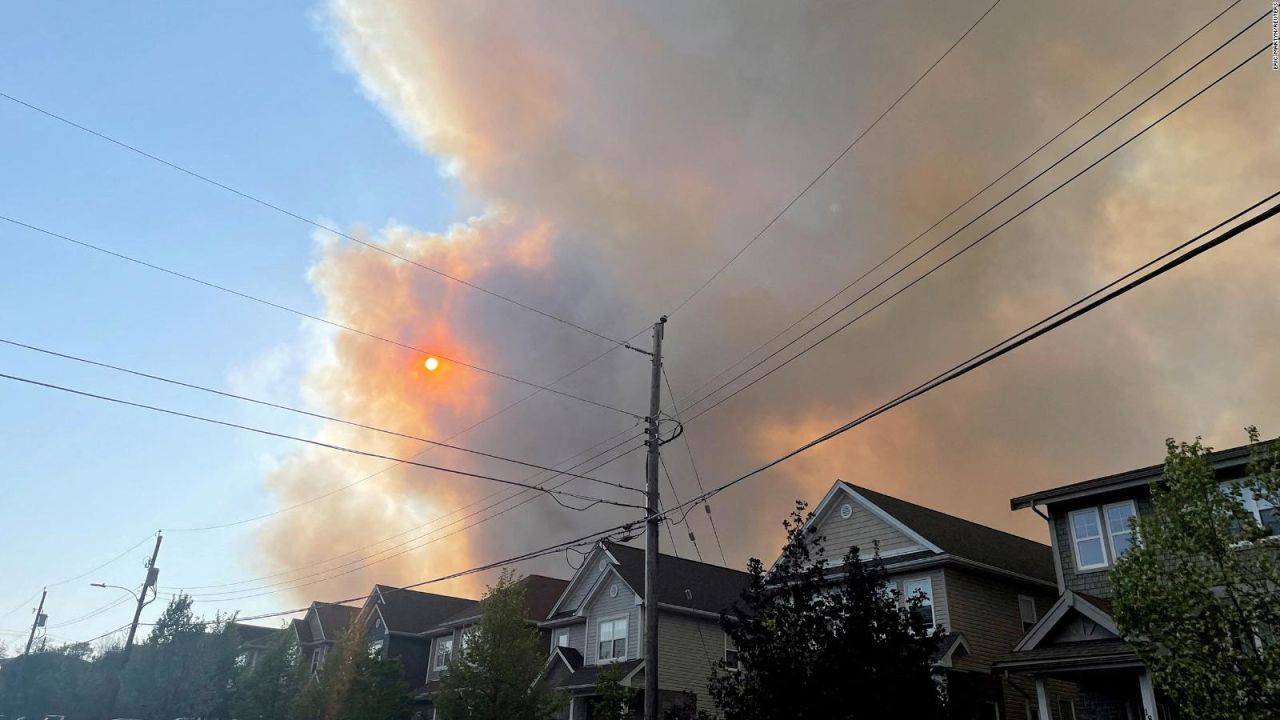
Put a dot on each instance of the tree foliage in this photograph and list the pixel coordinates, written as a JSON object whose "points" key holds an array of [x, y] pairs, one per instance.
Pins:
{"points": [[356, 685], [816, 641], [266, 690], [1198, 594], [495, 674], [613, 700]]}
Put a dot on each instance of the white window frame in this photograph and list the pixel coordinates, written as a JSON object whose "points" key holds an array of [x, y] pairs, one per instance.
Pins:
{"points": [[317, 657], [561, 633], [907, 592], [1112, 532], [1026, 602], [626, 630], [729, 645], [1254, 505], [436, 665], [1075, 541], [1069, 704]]}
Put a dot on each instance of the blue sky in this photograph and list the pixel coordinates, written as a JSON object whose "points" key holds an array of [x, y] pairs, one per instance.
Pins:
{"points": [[263, 104]]}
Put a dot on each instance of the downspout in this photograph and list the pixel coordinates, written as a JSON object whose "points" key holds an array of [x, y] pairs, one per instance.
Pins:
{"points": [[1057, 552]]}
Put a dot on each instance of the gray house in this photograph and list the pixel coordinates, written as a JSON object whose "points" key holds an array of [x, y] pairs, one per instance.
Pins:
{"points": [[984, 587], [252, 641], [599, 619], [319, 630], [1081, 667], [397, 623]]}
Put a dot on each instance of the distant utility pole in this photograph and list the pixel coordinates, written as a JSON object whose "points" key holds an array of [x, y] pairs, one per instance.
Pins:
{"points": [[37, 622], [153, 573], [651, 532]]}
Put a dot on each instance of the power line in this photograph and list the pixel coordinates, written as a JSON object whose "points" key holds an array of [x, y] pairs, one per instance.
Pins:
{"points": [[1105, 294], [675, 410], [343, 488], [317, 443], [373, 559], [280, 406], [436, 519], [832, 164], [964, 204], [307, 315], [313, 223], [962, 250]]}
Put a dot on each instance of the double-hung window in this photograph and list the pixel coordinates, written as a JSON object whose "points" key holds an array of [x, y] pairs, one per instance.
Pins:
{"points": [[730, 653], [1027, 611], [1264, 512], [1119, 531], [924, 586], [444, 653], [562, 638], [1086, 538], [612, 639]]}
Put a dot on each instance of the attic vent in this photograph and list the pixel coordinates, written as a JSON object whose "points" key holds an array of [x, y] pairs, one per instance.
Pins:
{"points": [[688, 594], [846, 510], [613, 590]]}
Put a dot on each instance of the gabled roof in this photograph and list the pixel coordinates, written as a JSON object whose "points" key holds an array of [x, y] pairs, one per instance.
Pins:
{"points": [[1222, 460], [540, 595], [682, 583], [334, 619], [302, 630], [253, 635], [410, 611], [965, 539]]}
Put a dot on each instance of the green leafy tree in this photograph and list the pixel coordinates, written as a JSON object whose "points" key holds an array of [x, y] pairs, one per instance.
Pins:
{"points": [[495, 676], [355, 685], [816, 643], [1198, 594], [613, 700], [266, 691]]}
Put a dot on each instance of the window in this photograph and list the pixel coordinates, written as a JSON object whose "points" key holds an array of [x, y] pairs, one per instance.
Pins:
{"points": [[562, 638], [1027, 610], [1086, 537], [990, 710], [316, 656], [730, 653], [1119, 531], [612, 639], [1264, 512], [468, 636], [444, 653], [375, 647], [924, 586], [1066, 709]]}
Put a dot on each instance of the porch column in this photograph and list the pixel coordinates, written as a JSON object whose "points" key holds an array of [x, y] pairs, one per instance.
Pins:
{"points": [[1148, 695], [1042, 700]]}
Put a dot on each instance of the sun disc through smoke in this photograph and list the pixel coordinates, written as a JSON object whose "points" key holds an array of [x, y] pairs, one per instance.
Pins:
{"points": [[431, 364]]}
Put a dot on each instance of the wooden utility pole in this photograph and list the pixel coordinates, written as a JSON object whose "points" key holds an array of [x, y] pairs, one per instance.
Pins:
{"points": [[651, 531], [153, 573], [36, 622]]}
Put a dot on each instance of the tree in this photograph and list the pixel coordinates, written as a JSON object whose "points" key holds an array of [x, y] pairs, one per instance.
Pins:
{"points": [[613, 700], [265, 691], [355, 685], [495, 676], [815, 641], [1197, 593]]}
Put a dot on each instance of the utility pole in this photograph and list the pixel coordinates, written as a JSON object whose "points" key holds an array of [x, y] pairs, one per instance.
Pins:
{"points": [[651, 532], [37, 622], [153, 573]]}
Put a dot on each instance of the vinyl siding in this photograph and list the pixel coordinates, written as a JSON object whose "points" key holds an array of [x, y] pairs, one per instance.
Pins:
{"points": [[602, 607], [688, 647], [577, 637], [313, 619], [941, 607], [413, 654], [862, 528], [1090, 582], [584, 580]]}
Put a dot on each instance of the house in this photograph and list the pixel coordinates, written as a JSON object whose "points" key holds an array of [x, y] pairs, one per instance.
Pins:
{"points": [[1076, 644], [319, 630], [397, 624], [984, 587], [252, 641], [598, 621], [450, 635]]}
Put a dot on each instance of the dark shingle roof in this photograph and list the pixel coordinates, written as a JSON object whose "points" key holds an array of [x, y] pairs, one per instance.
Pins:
{"points": [[334, 619], [302, 629], [410, 611], [586, 675], [1070, 654], [540, 595], [967, 539], [253, 634], [683, 583]]}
